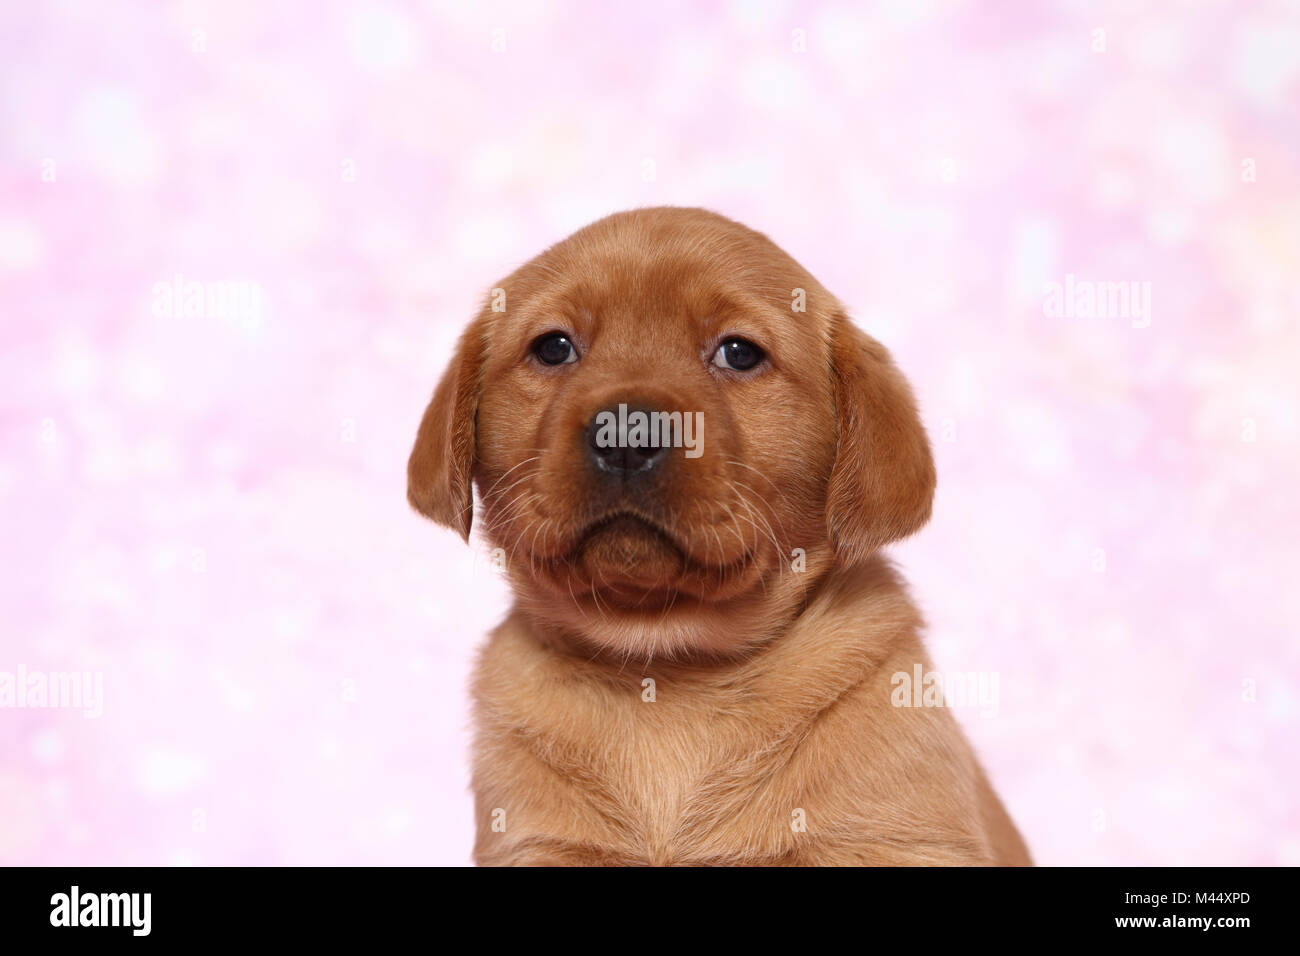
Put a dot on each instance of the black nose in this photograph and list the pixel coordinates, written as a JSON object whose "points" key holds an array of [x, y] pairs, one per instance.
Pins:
{"points": [[617, 448]]}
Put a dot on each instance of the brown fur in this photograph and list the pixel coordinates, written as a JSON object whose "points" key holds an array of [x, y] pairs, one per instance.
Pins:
{"points": [[771, 684]]}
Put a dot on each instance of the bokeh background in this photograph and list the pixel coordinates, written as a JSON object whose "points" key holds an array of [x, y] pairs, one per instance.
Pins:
{"points": [[208, 509]]}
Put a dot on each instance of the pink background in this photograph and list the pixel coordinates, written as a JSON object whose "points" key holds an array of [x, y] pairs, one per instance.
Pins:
{"points": [[211, 512]]}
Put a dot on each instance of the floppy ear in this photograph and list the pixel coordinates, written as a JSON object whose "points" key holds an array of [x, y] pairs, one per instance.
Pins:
{"points": [[439, 474], [882, 483]]}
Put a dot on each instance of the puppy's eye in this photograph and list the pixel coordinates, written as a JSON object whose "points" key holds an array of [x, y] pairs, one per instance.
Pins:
{"points": [[555, 349], [737, 354]]}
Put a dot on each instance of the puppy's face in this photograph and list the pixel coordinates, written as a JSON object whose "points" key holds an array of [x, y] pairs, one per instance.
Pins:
{"points": [[674, 432]]}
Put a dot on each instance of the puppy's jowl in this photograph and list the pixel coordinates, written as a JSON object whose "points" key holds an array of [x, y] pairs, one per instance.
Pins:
{"points": [[768, 734]]}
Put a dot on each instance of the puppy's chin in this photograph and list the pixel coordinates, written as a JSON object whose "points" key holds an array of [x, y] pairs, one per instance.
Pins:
{"points": [[629, 587], [629, 561]]}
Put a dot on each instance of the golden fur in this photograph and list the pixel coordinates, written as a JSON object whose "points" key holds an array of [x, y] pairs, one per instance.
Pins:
{"points": [[697, 668]]}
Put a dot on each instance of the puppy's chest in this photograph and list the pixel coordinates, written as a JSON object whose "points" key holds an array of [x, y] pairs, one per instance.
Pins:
{"points": [[666, 758], [589, 766], [677, 781]]}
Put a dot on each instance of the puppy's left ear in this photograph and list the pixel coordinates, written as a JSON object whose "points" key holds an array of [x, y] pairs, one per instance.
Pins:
{"points": [[440, 472], [882, 483]]}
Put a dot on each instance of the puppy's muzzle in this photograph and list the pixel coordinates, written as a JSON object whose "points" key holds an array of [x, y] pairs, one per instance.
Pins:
{"points": [[612, 453]]}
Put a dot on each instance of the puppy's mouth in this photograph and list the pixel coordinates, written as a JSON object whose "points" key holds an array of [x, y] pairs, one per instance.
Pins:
{"points": [[630, 559], [627, 551]]}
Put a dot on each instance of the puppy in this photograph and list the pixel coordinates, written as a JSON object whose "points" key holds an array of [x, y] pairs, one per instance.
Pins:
{"points": [[698, 665]]}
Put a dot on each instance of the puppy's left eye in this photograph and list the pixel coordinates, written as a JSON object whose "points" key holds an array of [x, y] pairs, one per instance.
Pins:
{"points": [[555, 349], [740, 355]]}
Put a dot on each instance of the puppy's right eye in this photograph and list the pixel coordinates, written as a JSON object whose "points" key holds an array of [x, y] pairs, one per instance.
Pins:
{"points": [[555, 349]]}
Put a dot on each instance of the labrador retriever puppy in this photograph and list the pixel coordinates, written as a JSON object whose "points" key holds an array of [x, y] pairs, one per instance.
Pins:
{"points": [[687, 459]]}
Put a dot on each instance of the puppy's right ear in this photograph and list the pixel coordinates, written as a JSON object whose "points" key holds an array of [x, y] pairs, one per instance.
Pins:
{"points": [[440, 472]]}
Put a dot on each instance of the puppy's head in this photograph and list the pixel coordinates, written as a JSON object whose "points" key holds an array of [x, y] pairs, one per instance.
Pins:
{"points": [[674, 431]]}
